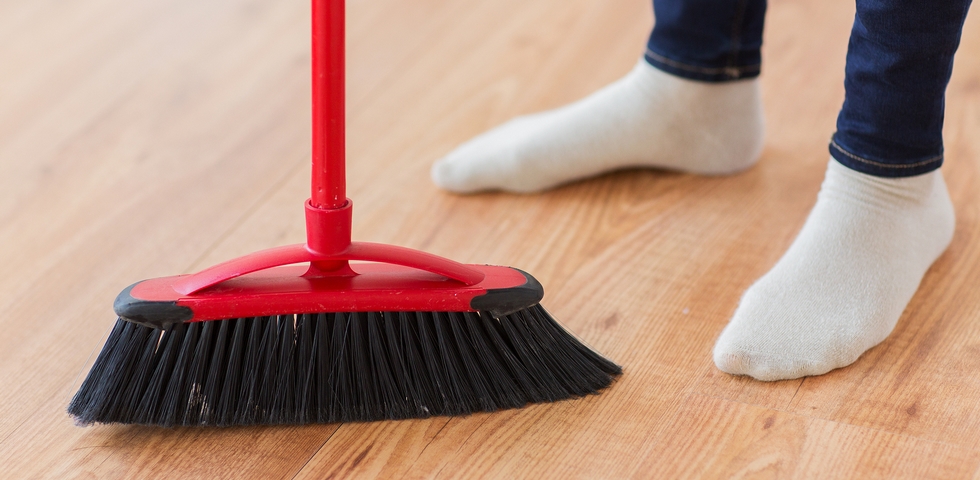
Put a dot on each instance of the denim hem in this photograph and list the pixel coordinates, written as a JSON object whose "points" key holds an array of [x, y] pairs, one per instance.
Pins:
{"points": [[882, 169], [704, 74]]}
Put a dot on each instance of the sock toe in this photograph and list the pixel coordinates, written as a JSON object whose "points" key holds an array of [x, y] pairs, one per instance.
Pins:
{"points": [[457, 173], [736, 359], [765, 367], [732, 361], [445, 176]]}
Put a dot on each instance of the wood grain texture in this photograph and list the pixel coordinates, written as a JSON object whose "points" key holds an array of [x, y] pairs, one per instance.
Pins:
{"points": [[140, 139]]}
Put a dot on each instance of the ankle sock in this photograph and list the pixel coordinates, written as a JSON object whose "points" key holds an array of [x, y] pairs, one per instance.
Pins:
{"points": [[846, 279], [646, 119]]}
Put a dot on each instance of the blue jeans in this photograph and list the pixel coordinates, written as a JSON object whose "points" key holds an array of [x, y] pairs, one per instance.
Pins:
{"points": [[899, 61]]}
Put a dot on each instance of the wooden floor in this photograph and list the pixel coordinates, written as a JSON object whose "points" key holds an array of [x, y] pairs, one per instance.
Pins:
{"points": [[141, 139]]}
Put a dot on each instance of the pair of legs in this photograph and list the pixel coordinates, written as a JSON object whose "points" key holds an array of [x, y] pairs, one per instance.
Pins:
{"points": [[882, 216]]}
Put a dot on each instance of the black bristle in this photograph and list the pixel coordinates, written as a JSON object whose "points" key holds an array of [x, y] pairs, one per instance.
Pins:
{"points": [[249, 406], [366, 403], [338, 379], [429, 397], [323, 392], [87, 400], [218, 369], [509, 361], [437, 345], [195, 381], [177, 393], [428, 372], [390, 398], [266, 390], [335, 367], [576, 372], [555, 358], [283, 400], [413, 405], [129, 356], [570, 341], [500, 380], [530, 356], [230, 390], [471, 373], [148, 410], [304, 361], [140, 376]]}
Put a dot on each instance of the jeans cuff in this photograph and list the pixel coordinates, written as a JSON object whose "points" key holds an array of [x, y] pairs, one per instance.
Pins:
{"points": [[880, 168], [704, 74]]}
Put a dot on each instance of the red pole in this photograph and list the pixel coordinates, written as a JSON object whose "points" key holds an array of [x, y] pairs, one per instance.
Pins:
{"points": [[328, 186], [328, 214]]}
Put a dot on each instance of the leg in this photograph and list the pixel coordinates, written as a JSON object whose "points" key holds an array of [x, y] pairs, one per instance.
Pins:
{"points": [[693, 105], [882, 216]]}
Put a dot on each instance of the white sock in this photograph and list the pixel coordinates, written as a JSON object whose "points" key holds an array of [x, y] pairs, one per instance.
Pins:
{"points": [[646, 119], [845, 280]]}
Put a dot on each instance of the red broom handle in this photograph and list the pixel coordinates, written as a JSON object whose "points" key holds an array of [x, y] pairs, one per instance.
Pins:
{"points": [[328, 186], [328, 213]]}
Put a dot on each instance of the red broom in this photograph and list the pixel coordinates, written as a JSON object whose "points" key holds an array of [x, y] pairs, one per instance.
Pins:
{"points": [[259, 340]]}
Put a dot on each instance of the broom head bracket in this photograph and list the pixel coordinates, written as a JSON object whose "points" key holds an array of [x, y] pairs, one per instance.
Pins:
{"points": [[328, 251]]}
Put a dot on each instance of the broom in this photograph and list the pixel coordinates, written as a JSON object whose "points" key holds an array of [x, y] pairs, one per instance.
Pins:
{"points": [[261, 340]]}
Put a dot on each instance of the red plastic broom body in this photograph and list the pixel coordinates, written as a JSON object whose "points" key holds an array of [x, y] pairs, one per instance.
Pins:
{"points": [[402, 279]]}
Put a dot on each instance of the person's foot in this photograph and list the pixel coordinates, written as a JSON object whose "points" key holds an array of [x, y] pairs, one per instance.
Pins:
{"points": [[845, 280], [646, 119]]}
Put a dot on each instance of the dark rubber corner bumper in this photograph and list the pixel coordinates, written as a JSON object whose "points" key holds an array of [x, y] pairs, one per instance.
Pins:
{"points": [[505, 301], [154, 314]]}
